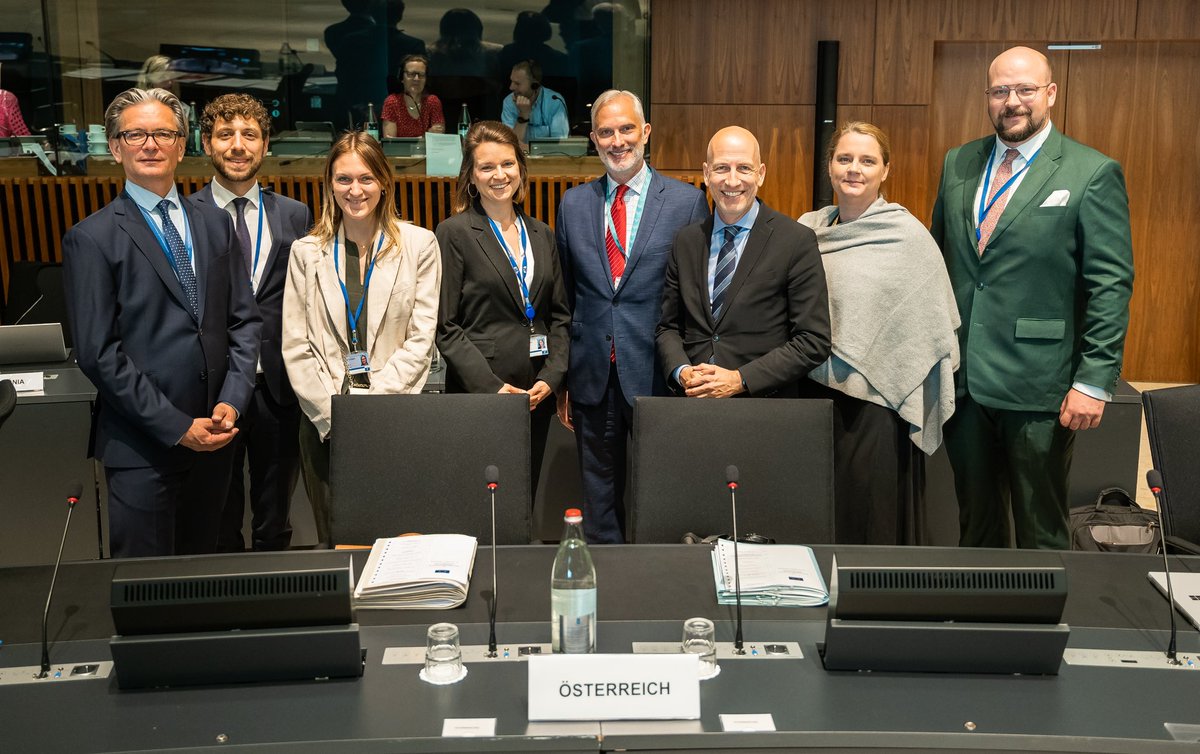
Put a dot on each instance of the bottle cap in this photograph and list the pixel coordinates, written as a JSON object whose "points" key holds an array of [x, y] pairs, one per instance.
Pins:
{"points": [[573, 516]]}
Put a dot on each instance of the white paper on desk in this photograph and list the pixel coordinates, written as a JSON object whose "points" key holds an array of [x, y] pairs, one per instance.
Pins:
{"points": [[443, 154], [771, 575], [442, 557]]}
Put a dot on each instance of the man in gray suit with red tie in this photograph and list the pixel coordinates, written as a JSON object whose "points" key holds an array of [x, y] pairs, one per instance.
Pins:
{"points": [[235, 131], [614, 235], [166, 328]]}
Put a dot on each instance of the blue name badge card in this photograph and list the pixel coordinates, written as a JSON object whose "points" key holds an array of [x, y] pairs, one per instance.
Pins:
{"points": [[443, 154]]}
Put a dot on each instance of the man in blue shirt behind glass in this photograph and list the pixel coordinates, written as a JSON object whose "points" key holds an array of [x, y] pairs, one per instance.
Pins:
{"points": [[531, 110]]}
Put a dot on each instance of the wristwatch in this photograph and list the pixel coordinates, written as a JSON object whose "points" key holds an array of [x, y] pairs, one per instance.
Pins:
{"points": [[522, 120]]}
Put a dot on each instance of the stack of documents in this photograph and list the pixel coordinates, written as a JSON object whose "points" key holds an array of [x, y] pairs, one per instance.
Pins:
{"points": [[424, 572], [771, 575]]}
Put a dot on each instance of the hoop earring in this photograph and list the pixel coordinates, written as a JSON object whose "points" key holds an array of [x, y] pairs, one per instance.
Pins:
{"points": [[471, 186]]}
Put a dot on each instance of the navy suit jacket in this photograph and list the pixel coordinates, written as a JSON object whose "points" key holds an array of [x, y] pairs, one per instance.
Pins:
{"points": [[288, 220], [156, 367], [774, 326], [626, 316]]}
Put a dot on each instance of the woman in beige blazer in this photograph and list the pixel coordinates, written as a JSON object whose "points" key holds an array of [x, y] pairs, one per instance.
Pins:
{"points": [[360, 308]]}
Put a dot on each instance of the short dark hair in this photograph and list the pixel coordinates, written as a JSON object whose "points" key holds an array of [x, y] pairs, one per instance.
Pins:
{"points": [[230, 106], [532, 67]]}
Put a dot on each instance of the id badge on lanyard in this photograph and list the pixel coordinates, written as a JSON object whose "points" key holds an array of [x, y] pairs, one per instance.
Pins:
{"points": [[357, 361]]}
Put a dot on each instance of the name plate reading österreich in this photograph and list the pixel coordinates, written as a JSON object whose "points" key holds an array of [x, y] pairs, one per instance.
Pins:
{"points": [[614, 687]]}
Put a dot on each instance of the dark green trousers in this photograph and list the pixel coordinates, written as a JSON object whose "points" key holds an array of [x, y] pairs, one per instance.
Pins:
{"points": [[1010, 460]]}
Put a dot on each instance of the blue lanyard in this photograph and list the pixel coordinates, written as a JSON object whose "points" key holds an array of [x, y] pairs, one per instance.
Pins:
{"points": [[987, 184], [520, 273], [187, 234], [353, 316], [608, 223], [258, 241]]}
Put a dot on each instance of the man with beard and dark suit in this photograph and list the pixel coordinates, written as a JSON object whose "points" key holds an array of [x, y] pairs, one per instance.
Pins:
{"points": [[1034, 228], [745, 310], [235, 131], [613, 235], [166, 328]]}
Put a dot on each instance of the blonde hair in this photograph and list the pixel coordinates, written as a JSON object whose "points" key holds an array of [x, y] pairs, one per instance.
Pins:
{"points": [[866, 129], [386, 218]]}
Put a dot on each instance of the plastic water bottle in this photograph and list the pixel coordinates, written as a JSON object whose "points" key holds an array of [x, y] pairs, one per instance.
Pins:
{"points": [[194, 147], [573, 591], [464, 123]]}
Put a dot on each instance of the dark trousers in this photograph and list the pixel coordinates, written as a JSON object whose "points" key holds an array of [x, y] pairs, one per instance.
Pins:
{"points": [[314, 462], [878, 474], [177, 512], [602, 436], [269, 437], [1010, 459], [539, 427]]}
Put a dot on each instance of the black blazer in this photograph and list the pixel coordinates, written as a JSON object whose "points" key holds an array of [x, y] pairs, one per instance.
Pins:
{"points": [[288, 220], [482, 331], [155, 366], [775, 324]]}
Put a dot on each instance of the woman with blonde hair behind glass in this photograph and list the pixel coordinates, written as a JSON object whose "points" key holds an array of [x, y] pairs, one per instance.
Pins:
{"points": [[503, 323], [893, 317], [360, 308]]}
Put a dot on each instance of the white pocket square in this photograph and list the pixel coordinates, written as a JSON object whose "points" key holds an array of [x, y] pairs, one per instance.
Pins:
{"points": [[1057, 199]]}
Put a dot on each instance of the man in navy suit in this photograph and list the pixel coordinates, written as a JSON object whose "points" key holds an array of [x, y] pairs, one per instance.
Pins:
{"points": [[166, 328], [234, 130], [614, 237]]}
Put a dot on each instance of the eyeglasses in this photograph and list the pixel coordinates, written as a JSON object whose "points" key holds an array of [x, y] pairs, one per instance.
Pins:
{"points": [[413, 75], [162, 138], [1025, 92]]}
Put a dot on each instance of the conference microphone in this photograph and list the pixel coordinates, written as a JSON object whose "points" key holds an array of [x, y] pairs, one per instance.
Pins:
{"points": [[1155, 483], [72, 498], [491, 476], [731, 481], [32, 306]]}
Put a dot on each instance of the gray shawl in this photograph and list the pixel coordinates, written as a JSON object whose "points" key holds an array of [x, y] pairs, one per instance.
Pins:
{"points": [[893, 316]]}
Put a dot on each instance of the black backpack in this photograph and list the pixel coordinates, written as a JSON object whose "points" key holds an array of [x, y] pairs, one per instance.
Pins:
{"points": [[1114, 524]]}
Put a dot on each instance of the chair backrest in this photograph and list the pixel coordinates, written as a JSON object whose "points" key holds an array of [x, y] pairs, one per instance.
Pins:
{"points": [[1172, 416], [783, 449], [415, 463], [8, 400]]}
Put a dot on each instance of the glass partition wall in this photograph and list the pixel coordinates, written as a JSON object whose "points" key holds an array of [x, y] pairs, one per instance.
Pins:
{"points": [[320, 61]]}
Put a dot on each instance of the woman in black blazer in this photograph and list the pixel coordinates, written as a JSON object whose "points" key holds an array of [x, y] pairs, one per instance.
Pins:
{"points": [[503, 321]]}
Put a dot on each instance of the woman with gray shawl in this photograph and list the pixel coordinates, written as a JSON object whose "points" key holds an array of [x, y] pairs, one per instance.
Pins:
{"points": [[891, 373]]}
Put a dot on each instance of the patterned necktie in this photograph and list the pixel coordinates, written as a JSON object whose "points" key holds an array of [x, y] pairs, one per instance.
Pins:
{"points": [[179, 253], [243, 232], [1003, 173], [724, 274], [616, 258]]}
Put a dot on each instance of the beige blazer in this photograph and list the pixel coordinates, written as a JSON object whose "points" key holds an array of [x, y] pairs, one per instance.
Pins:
{"points": [[402, 304]]}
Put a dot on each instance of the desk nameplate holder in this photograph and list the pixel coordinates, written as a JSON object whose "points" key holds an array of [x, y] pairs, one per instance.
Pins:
{"points": [[782, 650], [75, 671]]}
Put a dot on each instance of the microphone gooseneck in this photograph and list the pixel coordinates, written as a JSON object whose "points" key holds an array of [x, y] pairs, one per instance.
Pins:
{"points": [[491, 476], [1154, 482], [72, 498], [731, 481]]}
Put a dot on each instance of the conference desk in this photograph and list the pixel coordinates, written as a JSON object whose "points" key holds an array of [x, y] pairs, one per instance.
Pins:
{"points": [[645, 591]]}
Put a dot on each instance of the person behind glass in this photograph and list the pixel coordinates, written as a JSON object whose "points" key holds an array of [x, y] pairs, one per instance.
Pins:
{"points": [[531, 110], [11, 122], [413, 111], [360, 308], [503, 320], [893, 318]]}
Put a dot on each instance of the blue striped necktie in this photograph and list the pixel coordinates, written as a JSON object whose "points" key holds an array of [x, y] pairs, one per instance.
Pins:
{"points": [[179, 253], [724, 273]]}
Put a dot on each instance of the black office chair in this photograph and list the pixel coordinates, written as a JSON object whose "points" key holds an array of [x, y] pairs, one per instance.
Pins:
{"points": [[8, 400], [1172, 416], [415, 463], [783, 449]]}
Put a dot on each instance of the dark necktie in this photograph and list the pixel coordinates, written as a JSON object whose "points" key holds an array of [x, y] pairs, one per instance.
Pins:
{"points": [[616, 259], [1003, 173], [179, 254], [243, 232], [724, 274]]}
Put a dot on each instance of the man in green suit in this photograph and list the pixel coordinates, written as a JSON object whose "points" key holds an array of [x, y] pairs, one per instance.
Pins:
{"points": [[1034, 228]]}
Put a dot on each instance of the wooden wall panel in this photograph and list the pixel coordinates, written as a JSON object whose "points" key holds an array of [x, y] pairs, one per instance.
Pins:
{"points": [[907, 127], [1153, 135], [1168, 19], [757, 51]]}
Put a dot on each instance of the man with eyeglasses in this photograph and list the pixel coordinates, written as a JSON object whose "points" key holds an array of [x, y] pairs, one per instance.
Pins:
{"points": [[745, 309], [235, 130], [165, 326], [1034, 228]]}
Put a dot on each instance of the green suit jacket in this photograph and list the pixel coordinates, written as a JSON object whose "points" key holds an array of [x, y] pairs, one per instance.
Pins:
{"points": [[1047, 305]]}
